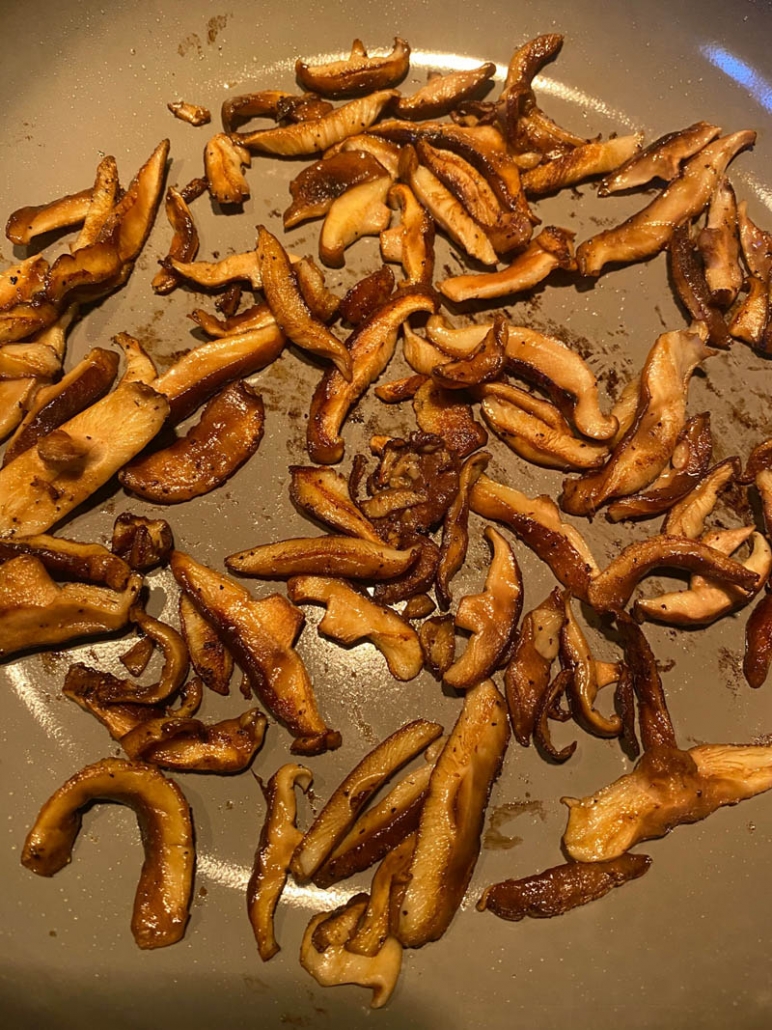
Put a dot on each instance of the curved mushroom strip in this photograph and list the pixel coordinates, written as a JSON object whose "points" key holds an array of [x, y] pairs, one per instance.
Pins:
{"points": [[575, 656], [323, 493], [166, 881], [358, 74], [528, 60], [336, 965], [441, 412], [384, 152], [317, 134], [301, 108], [223, 163], [26, 223], [227, 435], [667, 788], [483, 364], [561, 888], [537, 522], [188, 745], [528, 673], [193, 114], [139, 366], [137, 657], [212, 662], [71, 559], [206, 369], [583, 162], [16, 397], [423, 355], [536, 430], [351, 617], [258, 316], [455, 533], [412, 241], [611, 589], [278, 839], [719, 244], [36, 612], [649, 443], [390, 876], [351, 557], [142, 543], [351, 796], [687, 467], [547, 708], [259, 635], [640, 667], [552, 248], [173, 673], [750, 320], [315, 188], [366, 296], [688, 276], [53, 405], [661, 159], [213, 274], [184, 244], [438, 642], [756, 244], [687, 516], [452, 817], [360, 211], [443, 93], [491, 617], [758, 643], [103, 198], [371, 346], [35, 494], [132, 218], [290, 309], [649, 231], [242, 108]]}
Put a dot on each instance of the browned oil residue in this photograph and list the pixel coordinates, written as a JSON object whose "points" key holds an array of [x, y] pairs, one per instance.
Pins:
{"points": [[191, 42], [256, 984], [494, 839], [730, 668], [214, 25], [295, 1020], [368, 734]]}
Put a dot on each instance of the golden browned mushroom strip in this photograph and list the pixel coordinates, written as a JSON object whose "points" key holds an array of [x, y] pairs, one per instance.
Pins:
{"points": [[482, 365], [688, 276], [442, 412], [140, 367], [323, 494], [358, 74], [649, 231], [35, 494], [37, 612], [206, 369], [537, 522], [103, 197], [28, 222], [351, 617], [535, 429], [351, 557], [212, 662], [442, 93], [223, 163], [384, 152], [173, 673], [758, 643], [750, 320], [71, 559], [23, 281], [258, 316], [264, 104], [193, 114], [611, 589], [583, 687], [452, 817], [143, 543], [374, 925], [530, 58], [214, 274], [687, 467], [289, 307], [184, 244], [552, 248], [719, 244], [438, 641], [317, 134], [16, 398], [278, 839], [648, 445], [227, 435], [132, 218], [367, 295], [423, 355], [583, 162], [661, 159], [412, 241], [336, 965], [136, 659], [491, 617], [301, 108], [528, 674], [667, 788], [455, 532], [687, 516], [351, 796], [360, 211], [315, 188], [371, 346], [756, 244], [166, 882], [21, 320], [561, 888], [18, 360]]}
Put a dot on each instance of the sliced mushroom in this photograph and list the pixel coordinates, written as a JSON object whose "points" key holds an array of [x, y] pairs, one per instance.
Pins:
{"points": [[28, 222], [387, 154], [358, 74], [260, 635], [649, 231], [661, 159], [184, 244], [411, 243], [583, 688], [224, 160], [687, 516], [214, 274], [537, 522], [552, 248], [438, 642], [139, 366], [103, 198], [323, 493], [751, 318], [530, 58], [688, 276], [482, 365], [366, 296], [242, 108], [360, 211], [315, 188], [193, 114], [352, 557], [443, 93], [71, 559], [351, 617], [455, 533], [166, 882], [258, 316], [16, 398], [583, 162], [143, 543], [452, 817], [137, 658], [278, 839], [443, 413], [338, 815], [173, 673], [209, 657], [648, 445], [719, 244], [758, 643], [373, 928]]}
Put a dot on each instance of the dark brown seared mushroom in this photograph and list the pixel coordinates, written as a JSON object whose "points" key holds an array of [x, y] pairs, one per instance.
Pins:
{"points": [[228, 434], [103, 198], [411, 243], [278, 839], [351, 796], [443, 413], [580, 163], [142, 543], [384, 152], [351, 557], [184, 244], [455, 532], [561, 888], [173, 673], [209, 657], [649, 231], [323, 493], [719, 244], [357, 74], [258, 316], [758, 643], [315, 188], [661, 159], [528, 60], [688, 275], [224, 160], [482, 365], [438, 642], [452, 817], [239, 109], [136, 659], [374, 927], [260, 635], [576, 657], [71, 559], [166, 882], [193, 114], [366, 296], [443, 93], [321, 301]]}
